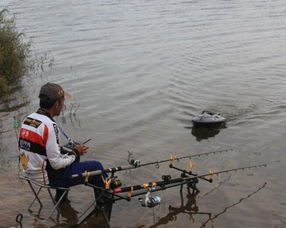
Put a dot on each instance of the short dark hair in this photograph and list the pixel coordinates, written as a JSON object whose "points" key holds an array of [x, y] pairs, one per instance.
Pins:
{"points": [[49, 94], [46, 102]]}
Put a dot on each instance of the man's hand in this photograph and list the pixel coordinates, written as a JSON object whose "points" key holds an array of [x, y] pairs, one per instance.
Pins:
{"points": [[81, 149]]}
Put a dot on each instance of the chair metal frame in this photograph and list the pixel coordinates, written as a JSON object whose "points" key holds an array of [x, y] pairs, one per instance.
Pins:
{"points": [[32, 182]]}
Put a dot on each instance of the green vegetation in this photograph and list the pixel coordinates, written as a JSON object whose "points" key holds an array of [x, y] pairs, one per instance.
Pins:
{"points": [[14, 53]]}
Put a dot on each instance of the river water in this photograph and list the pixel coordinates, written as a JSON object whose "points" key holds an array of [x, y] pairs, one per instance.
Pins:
{"points": [[139, 71]]}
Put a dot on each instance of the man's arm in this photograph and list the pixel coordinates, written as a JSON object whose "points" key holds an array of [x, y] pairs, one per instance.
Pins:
{"points": [[56, 159]]}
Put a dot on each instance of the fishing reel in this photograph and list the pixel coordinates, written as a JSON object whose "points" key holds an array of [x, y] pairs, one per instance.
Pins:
{"points": [[115, 183], [135, 163], [149, 200]]}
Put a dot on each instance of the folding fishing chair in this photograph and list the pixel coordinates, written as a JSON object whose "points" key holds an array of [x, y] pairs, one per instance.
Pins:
{"points": [[32, 183]]}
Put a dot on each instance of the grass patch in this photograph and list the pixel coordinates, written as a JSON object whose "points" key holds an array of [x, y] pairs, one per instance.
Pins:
{"points": [[14, 53]]}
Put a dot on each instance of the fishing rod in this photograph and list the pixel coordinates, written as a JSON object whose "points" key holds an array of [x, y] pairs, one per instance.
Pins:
{"points": [[109, 195], [168, 180], [134, 164]]}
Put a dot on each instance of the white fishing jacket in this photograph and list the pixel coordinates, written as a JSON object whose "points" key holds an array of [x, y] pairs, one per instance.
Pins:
{"points": [[39, 148]]}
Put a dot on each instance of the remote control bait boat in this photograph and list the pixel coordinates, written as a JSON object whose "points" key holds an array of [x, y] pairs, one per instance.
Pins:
{"points": [[208, 119]]}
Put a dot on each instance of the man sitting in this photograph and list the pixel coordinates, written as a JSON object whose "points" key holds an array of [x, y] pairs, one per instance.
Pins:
{"points": [[40, 152]]}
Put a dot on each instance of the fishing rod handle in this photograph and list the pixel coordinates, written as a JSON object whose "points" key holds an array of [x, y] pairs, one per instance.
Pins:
{"points": [[100, 172]]}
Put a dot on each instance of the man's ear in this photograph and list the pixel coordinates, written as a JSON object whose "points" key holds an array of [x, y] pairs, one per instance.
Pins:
{"points": [[56, 104]]}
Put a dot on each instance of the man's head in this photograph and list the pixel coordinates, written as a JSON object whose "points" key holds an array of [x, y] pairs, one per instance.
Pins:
{"points": [[52, 98]]}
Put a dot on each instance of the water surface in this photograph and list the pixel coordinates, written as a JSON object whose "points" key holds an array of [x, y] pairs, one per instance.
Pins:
{"points": [[139, 71]]}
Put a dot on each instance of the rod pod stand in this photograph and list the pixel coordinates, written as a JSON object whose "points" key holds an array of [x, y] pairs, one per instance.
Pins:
{"points": [[192, 183], [190, 173]]}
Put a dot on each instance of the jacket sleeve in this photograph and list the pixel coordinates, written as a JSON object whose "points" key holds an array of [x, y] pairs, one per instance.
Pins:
{"points": [[56, 159]]}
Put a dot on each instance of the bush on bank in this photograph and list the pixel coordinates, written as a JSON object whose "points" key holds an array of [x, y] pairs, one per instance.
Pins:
{"points": [[14, 53]]}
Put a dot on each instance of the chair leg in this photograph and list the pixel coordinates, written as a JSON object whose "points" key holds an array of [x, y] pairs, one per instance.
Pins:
{"points": [[56, 203], [51, 195], [36, 195]]}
